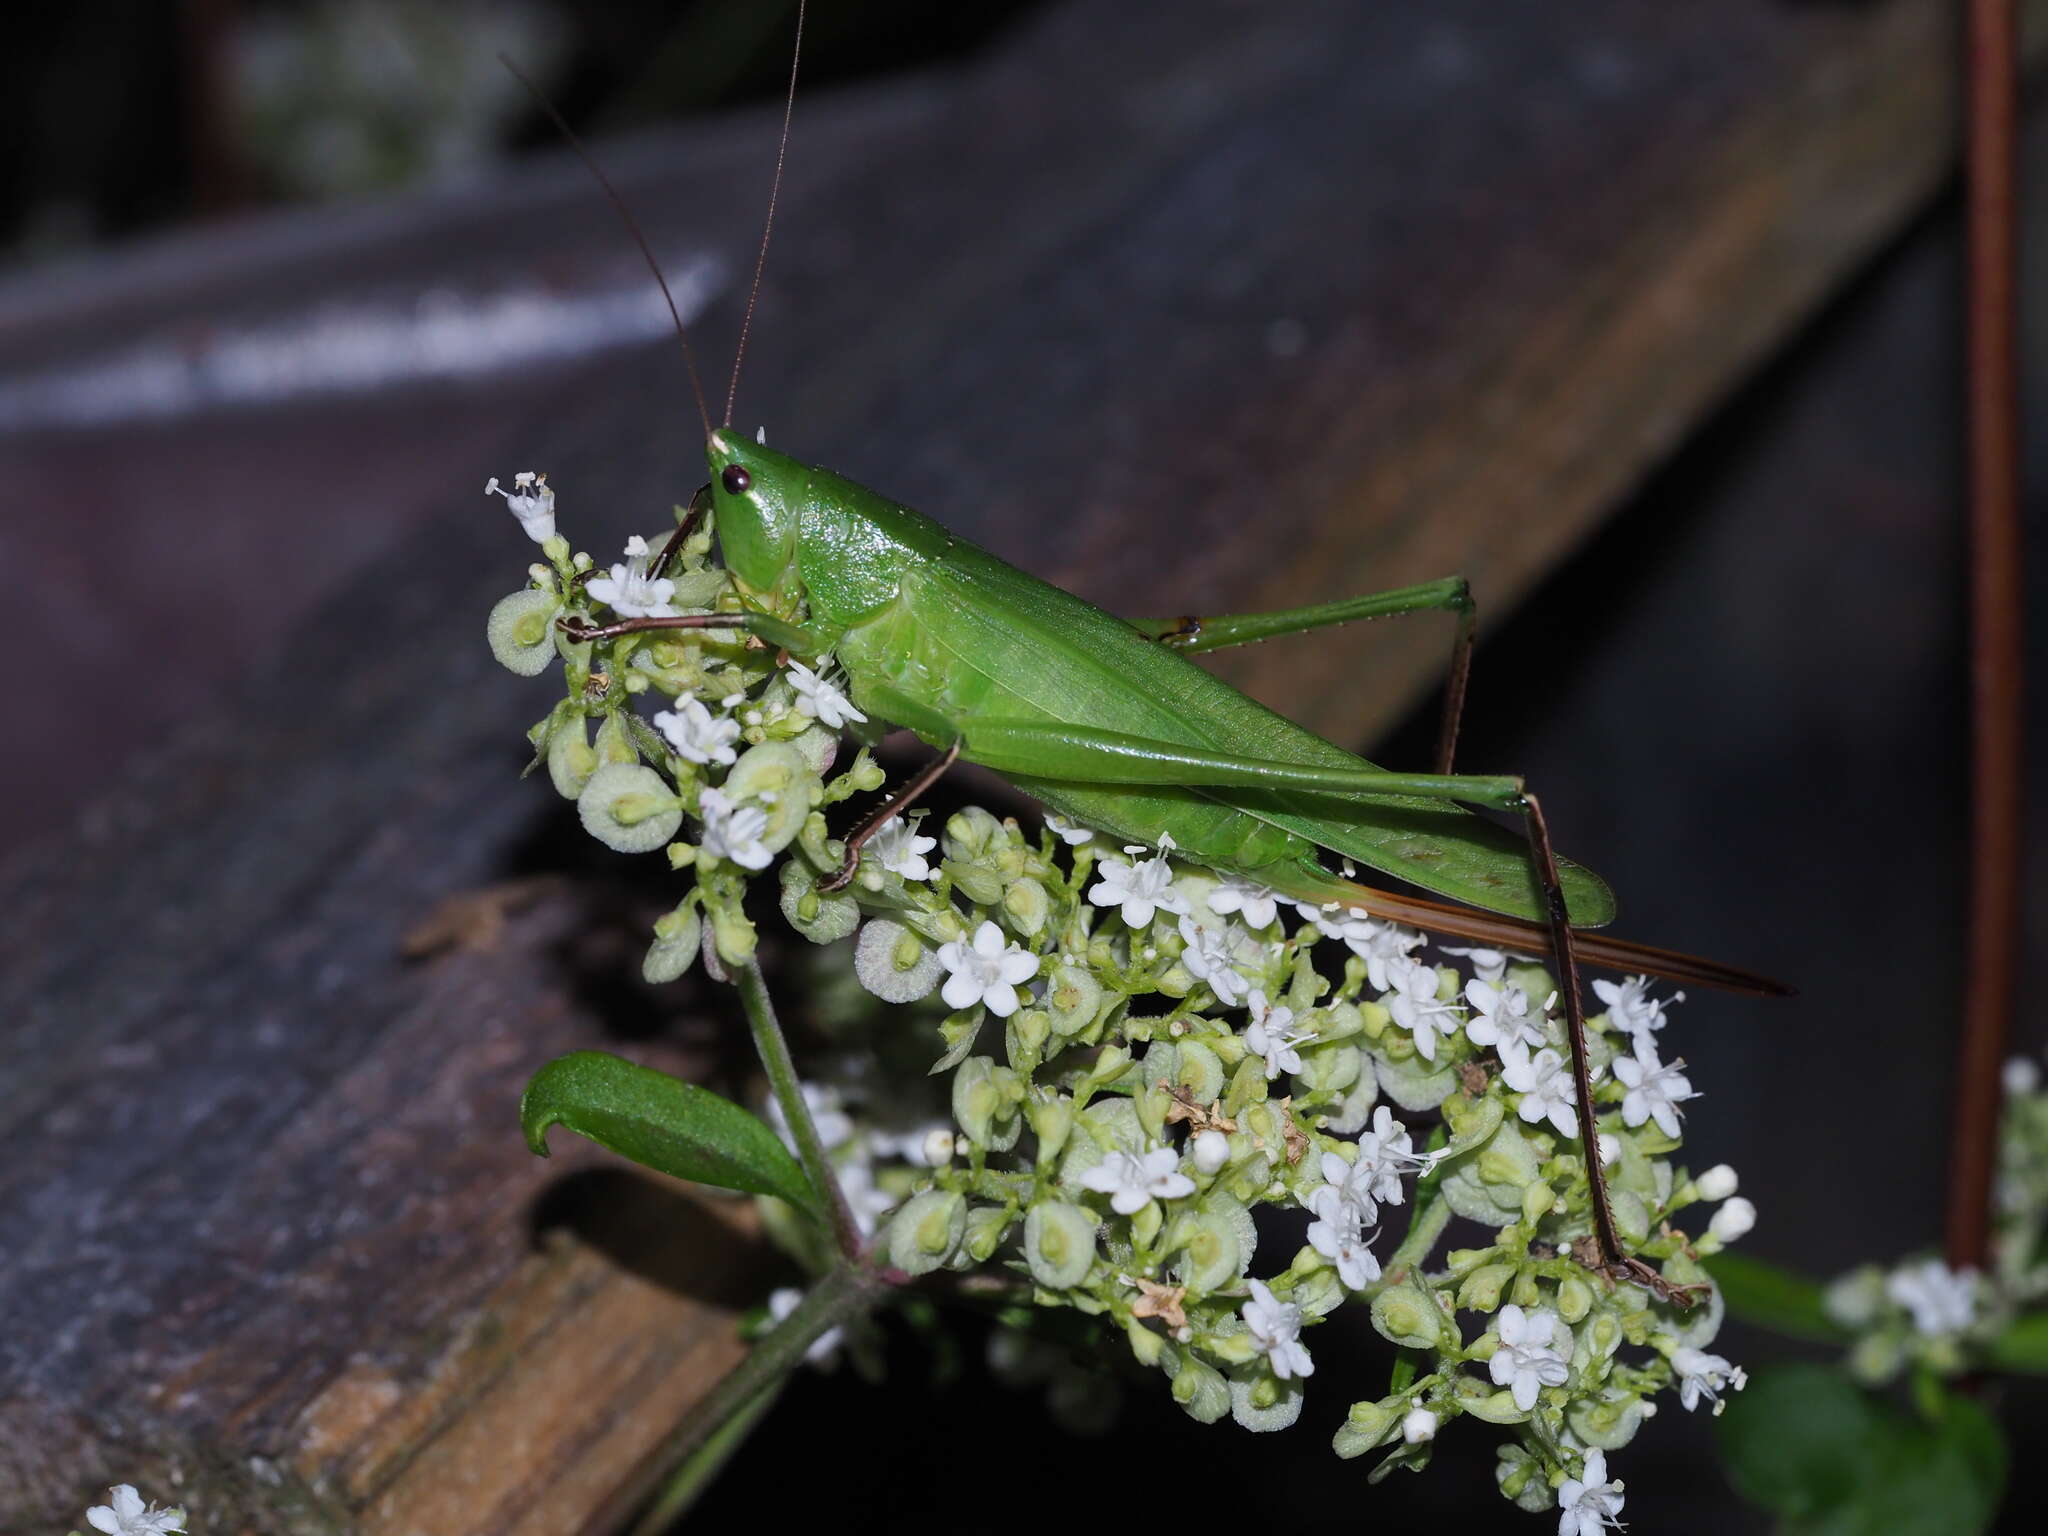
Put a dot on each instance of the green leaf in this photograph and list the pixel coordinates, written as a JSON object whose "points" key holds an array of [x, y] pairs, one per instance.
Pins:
{"points": [[661, 1123], [2023, 1346], [1774, 1298], [1831, 1460]]}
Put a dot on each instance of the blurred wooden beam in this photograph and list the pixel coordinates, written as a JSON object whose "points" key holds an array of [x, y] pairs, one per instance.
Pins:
{"points": [[1187, 306]]}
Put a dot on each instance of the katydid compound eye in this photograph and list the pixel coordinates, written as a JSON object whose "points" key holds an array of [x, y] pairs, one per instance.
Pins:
{"points": [[735, 479]]}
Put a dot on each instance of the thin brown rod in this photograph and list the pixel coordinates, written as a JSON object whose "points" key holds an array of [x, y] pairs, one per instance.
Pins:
{"points": [[739, 356], [632, 228], [900, 802], [1455, 682], [1545, 860], [1997, 620], [583, 632]]}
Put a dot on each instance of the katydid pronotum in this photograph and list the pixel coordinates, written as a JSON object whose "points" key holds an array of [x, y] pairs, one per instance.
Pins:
{"points": [[1109, 723]]}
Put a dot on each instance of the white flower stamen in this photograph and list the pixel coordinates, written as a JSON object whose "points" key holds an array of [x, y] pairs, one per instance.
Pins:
{"points": [[533, 503]]}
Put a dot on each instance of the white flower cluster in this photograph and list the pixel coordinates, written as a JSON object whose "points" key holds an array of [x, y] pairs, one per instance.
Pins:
{"points": [[1143, 1051]]}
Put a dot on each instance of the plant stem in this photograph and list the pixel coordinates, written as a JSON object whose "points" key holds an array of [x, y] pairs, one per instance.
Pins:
{"points": [[810, 1151], [722, 1417]]}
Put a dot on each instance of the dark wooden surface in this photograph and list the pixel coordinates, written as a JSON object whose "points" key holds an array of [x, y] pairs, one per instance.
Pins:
{"points": [[1182, 306]]}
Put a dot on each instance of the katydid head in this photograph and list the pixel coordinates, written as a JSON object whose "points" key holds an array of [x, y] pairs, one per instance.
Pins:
{"points": [[756, 494]]}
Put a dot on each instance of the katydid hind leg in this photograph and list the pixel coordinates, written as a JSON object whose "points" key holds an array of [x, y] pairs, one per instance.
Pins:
{"points": [[913, 790], [1192, 634]]}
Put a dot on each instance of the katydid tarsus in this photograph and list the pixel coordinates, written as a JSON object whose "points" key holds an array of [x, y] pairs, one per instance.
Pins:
{"points": [[1108, 722]]}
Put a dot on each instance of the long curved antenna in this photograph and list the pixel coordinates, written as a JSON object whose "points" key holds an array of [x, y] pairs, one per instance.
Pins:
{"points": [[767, 229], [632, 228]]}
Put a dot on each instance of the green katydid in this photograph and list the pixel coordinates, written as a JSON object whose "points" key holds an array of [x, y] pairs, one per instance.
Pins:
{"points": [[1108, 722]]}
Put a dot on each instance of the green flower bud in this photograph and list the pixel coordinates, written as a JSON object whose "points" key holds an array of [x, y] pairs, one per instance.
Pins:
{"points": [[821, 918], [1072, 997], [986, 1101], [1495, 1408], [615, 740], [894, 963], [1028, 1031], [1059, 1245], [732, 934], [521, 631], [1471, 1121], [678, 935], [629, 808], [1537, 1199], [1051, 1114], [775, 777], [1574, 1298], [1200, 1389], [570, 760], [1606, 1425], [1145, 1223], [983, 887], [1526, 1292], [1028, 905], [925, 1233], [1367, 1425], [1405, 1315], [970, 835], [987, 1226], [1480, 1290], [1519, 1475], [1147, 1346]]}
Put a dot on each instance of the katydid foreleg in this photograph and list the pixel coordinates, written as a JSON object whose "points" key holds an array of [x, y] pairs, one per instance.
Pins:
{"points": [[896, 805], [1191, 634]]}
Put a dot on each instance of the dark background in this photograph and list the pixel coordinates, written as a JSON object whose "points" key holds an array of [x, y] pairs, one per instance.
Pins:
{"points": [[1743, 696]]}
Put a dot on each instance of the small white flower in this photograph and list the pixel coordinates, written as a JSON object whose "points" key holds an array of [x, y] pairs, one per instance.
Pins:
{"points": [[1257, 905], [1412, 1000], [1140, 889], [1268, 1036], [1487, 964], [1717, 1183], [1071, 833], [899, 849], [1275, 1326], [126, 1515], [1631, 1008], [1525, 1360], [1703, 1375], [697, 734], [1654, 1090], [1130, 1179], [1733, 1220], [1211, 1149], [1504, 1017], [819, 699], [1209, 957], [1338, 1234], [934, 1149], [2021, 1076], [1418, 1426], [1545, 1083], [1942, 1300], [630, 591], [1373, 1176], [1382, 946], [533, 503], [825, 1347], [1591, 1504], [733, 831], [985, 972]]}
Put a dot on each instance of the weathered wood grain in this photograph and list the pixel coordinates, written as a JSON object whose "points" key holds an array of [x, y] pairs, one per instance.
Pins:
{"points": [[1184, 306]]}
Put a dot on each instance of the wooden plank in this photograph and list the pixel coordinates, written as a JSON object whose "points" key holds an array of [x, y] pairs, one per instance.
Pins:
{"points": [[1194, 305]]}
